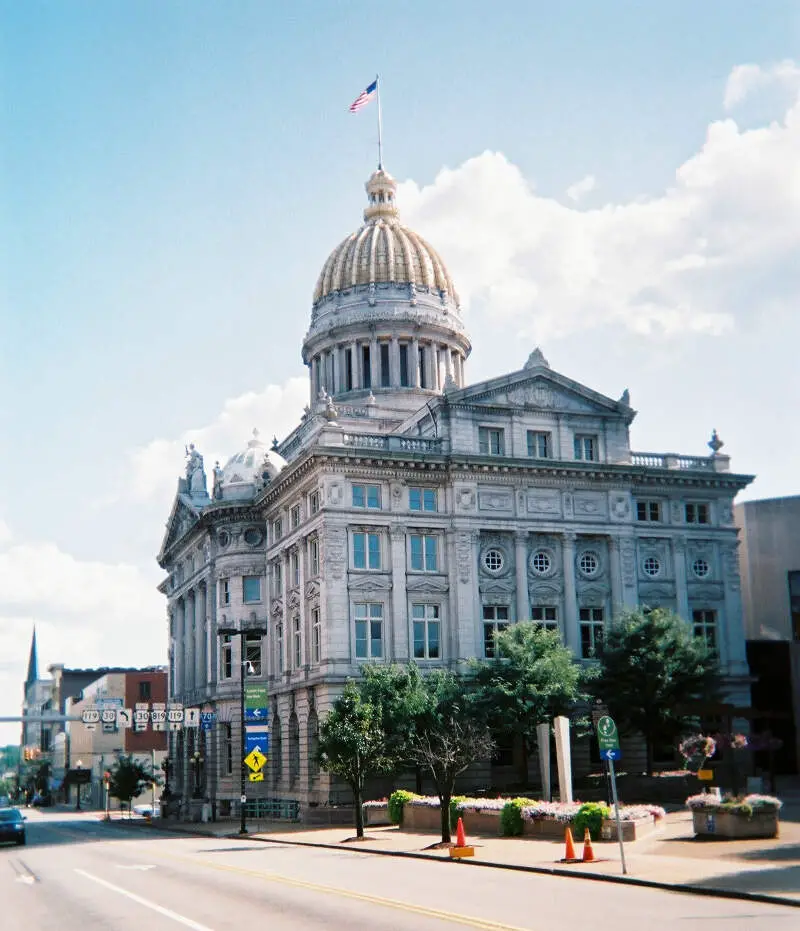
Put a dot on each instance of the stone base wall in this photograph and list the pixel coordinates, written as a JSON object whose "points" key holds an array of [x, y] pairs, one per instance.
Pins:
{"points": [[724, 824]]}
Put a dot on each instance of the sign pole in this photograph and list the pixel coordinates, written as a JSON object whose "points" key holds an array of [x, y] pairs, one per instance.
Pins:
{"points": [[616, 814]]}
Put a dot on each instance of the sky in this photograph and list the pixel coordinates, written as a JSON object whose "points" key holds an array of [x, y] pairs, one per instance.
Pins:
{"points": [[616, 182]]}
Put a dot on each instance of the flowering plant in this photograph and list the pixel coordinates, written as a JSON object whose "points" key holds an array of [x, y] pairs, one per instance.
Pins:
{"points": [[697, 749], [738, 741], [376, 803], [746, 806]]}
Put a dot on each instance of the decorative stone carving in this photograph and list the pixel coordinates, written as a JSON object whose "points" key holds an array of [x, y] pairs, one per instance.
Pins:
{"points": [[620, 507], [536, 359], [627, 550], [336, 551], [312, 589], [426, 584], [495, 499], [277, 608], [466, 499], [464, 556], [675, 510], [382, 583], [726, 515], [731, 564], [335, 493], [544, 503], [590, 505], [567, 504], [625, 398]]}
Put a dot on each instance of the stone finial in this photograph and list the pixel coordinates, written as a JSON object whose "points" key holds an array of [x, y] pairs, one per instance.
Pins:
{"points": [[274, 442], [715, 443], [218, 476], [371, 402], [536, 360], [331, 414], [450, 383], [625, 398]]}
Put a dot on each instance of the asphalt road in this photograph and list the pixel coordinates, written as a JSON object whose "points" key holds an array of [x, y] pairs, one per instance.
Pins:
{"points": [[78, 874]]}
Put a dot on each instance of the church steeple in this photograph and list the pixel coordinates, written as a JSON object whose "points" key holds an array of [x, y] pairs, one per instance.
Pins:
{"points": [[33, 662]]}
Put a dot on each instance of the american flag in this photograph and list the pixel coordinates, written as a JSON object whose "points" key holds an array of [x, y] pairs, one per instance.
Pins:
{"points": [[364, 97]]}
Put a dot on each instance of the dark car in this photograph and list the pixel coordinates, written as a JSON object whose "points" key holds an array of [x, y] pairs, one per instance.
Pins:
{"points": [[12, 825], [42, 800]]}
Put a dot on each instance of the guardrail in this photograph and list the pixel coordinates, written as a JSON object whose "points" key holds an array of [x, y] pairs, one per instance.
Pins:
{"points": [[276, 809]]}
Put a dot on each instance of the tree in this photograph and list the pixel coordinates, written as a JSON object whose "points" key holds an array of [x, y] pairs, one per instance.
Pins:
{"points": [[652, 668], [129, 778], [449, 735], [531, 679], [353, 745]]}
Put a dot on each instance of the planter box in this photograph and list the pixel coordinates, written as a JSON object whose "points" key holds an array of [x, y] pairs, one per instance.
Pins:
{"points": [[545, 827], [631, 830], [421, 818], [375, 816], [482, 822], [725, 824]]}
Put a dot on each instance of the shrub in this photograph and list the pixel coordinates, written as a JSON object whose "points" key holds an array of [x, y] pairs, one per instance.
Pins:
{"points": [[396, 802], [590, 815], [511, 817], [455, 809]]}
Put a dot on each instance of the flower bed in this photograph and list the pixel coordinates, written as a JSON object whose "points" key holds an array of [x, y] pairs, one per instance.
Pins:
{"points": [[732, 817], [376, 812]]}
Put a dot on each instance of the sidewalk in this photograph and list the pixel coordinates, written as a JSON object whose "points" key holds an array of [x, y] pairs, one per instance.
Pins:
{"points": [[672, 857]]}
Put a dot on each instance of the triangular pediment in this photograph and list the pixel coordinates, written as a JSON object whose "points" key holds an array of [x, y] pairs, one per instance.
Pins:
{"points": [[370, 583], [181, 520]]}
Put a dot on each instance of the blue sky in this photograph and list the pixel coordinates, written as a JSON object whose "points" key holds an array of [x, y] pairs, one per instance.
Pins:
{"points": [[173, 175]]}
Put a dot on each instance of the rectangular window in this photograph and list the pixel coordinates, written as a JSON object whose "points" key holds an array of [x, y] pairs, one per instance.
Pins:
{"points": [[546, 616], [251, 588], [348, 370], [313, 557], [366, 368], [385, 373], [226, 657], [277, 576], [367, 496], [294, 568], [224, 592], [295, 516], [297, 642], [227, 750], [705, 626], [585, 447], [423, 375], [495, 619], [316, 635], [404, 381], [424, 555], [592, 626], [426, 631], [539, 446], [145, 691], [422, 499], [313, 502], [491, 441], [277, 530], [252, 654], [279, 647], [366, 551], [697, 514], [648, 510], [369, 631]]}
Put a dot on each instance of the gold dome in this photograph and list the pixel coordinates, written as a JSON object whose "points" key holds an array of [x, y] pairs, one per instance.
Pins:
{"points": [[383, 251]]}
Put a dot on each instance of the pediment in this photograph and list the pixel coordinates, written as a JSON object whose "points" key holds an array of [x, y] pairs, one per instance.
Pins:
{"points": [[426, 585], [361, 583], [498, 586], [181, 520]]}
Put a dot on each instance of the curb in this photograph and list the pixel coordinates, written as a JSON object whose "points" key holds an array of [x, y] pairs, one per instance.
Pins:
{"points": [[684, 888]]}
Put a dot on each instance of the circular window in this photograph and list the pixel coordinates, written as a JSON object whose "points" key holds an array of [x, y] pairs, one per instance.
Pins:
{"points": [[493, 560], [252, 536], [651, 566], [541, 562], [224, 538], [701, 568], [589, 563]]}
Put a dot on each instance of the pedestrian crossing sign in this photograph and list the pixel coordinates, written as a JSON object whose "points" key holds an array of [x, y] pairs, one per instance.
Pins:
{"points": [[255, 760]]}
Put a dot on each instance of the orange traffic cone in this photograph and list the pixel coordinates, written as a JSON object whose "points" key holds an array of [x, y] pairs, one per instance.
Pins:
{"points": [[461, 840], [461, 849], [588, 852], [569, 853]]}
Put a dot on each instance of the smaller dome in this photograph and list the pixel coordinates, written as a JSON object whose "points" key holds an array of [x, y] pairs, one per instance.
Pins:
{"points": [[254, 464]]}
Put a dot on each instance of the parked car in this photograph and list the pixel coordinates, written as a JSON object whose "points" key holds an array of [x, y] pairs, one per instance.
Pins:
{"points": [[12, 826], [42, 800]]}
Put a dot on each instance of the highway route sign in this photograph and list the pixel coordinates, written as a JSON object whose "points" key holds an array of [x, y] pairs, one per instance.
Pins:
{"points": [[255, 760], [108, 715], [90, 716]]}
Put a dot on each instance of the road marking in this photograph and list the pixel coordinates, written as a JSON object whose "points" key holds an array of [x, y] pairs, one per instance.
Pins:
{"points": [[166, 912], [135, 866], [23, 878]]}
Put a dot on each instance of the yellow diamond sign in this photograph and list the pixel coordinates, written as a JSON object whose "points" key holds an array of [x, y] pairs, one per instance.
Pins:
{"points": [[255, 760]]}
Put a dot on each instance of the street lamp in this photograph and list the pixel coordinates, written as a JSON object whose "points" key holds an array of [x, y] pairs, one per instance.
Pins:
{"points": [[197, 759], [241, 632]]}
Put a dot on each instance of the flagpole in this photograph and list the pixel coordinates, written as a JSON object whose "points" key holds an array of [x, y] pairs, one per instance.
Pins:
{"points": [[380, 127]]}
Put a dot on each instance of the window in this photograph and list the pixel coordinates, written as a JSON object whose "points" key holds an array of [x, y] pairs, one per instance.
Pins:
{"points": [[145, 691], [423, 375], [426, 631], [369, 631], [541, 563], [252, 536], [252, 654], [277, 576], [589, 563], [366, 496], [316, 635], [294, 568], [279, 647], [227, 750], [546, 616], [585, 447], [295, 516], [422, 499], [313, 502], [591, 623], [404, 381], [348, 370], [226, 657], [424, 556], [224, 591], [648, 510], [705, 626], [313, 557], [385, 373], [297, 642], [366, 551], [277, 530], [495, 619], [491, 441], [696, 513], [539, 446], [651, 566], [493, 560], [251, 588], [366, 368], [700, 568]]}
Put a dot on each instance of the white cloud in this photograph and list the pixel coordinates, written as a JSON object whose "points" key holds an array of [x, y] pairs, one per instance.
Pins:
{"points": [[576, 191], [5, 532], [745, 80], [703, 257]]}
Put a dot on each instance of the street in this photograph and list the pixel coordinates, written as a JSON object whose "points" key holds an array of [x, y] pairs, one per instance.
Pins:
{"points": [[79, 874]]}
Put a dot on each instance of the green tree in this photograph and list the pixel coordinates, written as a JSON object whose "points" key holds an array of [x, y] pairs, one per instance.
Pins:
{"points": [[353, 745], [129, 778], [531, 679], [449, 735], [651, 671]]}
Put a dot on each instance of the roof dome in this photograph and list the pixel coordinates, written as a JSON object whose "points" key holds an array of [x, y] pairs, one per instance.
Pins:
{"points": [[256, 463], [383, 251]]}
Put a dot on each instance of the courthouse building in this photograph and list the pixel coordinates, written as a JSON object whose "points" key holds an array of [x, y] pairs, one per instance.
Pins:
{"points": [[410, 515]]}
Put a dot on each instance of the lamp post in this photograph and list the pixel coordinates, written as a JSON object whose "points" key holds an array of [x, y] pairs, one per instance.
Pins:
{"points": [[197, 759], [241, 632]]}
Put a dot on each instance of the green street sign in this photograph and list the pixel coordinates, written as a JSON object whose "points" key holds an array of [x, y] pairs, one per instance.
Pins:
{"points": [[255, 696], [607, 734]]}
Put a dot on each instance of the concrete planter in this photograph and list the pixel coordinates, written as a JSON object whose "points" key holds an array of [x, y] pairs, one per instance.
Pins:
{"points": [[377, 815], [545, 827], [631, 830], [421, 818], [725, 824]]}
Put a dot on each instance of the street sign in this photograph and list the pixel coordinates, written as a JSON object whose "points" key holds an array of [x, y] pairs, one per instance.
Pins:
{"points": [[256, 777], [175, 714], [258, 740], [158, 716], [255, 760], [256, 703], [607, 734], [191, 717], [90, 716], [613, 754], [108, 715], [124, 718], [207, 720]]}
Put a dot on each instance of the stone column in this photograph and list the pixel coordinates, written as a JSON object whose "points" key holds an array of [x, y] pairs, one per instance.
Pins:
{"points": [[681, 589], [354, 365], [413, 372], [180, 623], [374, 360], [435, 383], [400, 646], [394, 362], [336, 386], [200, 638], [188, 643], [211, 631], [617, 599], [521, 555], [305, 640], [448, 361], [314, 379], [730, 629], [571, 628]]}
